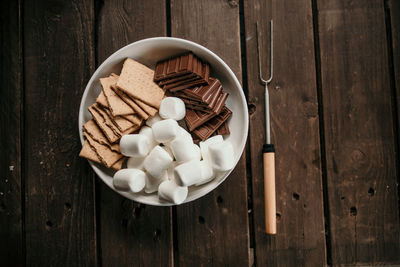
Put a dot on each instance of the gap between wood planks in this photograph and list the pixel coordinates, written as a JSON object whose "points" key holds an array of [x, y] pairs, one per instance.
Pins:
{"points": [[252, 249], [321, 132], [389, 39]]}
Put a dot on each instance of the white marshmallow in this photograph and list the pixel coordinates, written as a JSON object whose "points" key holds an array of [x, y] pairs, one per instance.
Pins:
{"points": [[172, 108], [146, 130], [181, 134], [157, 162], [183, 150], [188, 173], [153, 183], [170, 191], [129, 180], [134, 145], [165, 130], [204, 146], [150, 121], [135, 163], [207, 173], [222, 156]]}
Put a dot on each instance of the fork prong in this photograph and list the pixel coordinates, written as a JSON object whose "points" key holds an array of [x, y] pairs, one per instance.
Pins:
{"points": [[271, 57], [259, 55]]}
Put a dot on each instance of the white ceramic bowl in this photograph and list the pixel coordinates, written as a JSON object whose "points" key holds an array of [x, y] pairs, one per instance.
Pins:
{"points": [[148, 52]]}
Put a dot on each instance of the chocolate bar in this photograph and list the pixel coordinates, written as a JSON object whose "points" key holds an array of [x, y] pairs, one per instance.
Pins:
{"points": [[207, 129], [195, 118], [181, 72], [223, 129]]}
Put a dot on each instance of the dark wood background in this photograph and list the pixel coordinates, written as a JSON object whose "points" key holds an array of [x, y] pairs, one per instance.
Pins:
{"points": [[335, 122]]}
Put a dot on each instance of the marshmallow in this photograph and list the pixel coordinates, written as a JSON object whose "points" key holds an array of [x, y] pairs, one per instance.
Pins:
{"points": [[135, 163], [146, 130], [150, 121], [153, 183], [170, 191], [172, 108], [157, 162], [222, 156], [207, 173], [165, 131], [183, 150], [181, 133], [205, 144], [189, 173], [134, 145], [129, 180]]}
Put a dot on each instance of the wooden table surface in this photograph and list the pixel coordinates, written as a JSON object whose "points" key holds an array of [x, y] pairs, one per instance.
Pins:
{"points": [[335, 122]]}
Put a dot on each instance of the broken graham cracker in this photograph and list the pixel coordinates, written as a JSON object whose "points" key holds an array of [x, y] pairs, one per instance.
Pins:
{"points": [[148, 109], [101, 99], [108, 120], [106, 155], [136, 80], [117, 106], [131, 103], [121, 122], [101, 122], [89, 153], [92, 129]]}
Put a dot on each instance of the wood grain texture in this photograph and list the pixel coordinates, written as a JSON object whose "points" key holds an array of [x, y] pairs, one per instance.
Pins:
{"points": [[300, 237], [394, 13], [131, 234], [59, 59], [360, 141], [213, 230], [11, 224]]}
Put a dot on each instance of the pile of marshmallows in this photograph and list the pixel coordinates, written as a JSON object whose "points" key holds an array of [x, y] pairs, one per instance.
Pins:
{"points": [[164, 158]]}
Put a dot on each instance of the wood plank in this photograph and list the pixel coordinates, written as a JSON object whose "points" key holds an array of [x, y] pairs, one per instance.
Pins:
{"points": [[11, 235], [131, 234], [300, 236], [60, 208], [360, 141], [213, 230]]}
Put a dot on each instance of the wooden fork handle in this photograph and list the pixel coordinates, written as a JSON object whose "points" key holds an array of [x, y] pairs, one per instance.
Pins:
{"points": [[269, 188]]}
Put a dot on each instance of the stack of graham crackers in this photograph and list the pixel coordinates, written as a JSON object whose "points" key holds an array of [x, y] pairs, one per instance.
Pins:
{"points": [[123, 104], [188, 78]]}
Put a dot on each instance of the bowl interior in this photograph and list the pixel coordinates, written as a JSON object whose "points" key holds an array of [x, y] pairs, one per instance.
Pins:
{"points": [[148, 52]]}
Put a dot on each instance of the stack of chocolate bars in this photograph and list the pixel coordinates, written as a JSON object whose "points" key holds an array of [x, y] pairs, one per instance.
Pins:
{"points": [[188, 78]]}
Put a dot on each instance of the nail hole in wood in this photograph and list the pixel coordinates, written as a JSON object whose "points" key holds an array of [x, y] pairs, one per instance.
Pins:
{"points": [[220, 199], [2, 206], [201, 220], [342, 198], [353, 211], [296, 196], [278, 216], [371, 191], [252, 109], [156, 235], [305, 206], [124, 222], [49, 224], [67, 205]]}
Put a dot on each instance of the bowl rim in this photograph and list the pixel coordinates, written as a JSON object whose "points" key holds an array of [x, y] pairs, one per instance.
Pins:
{"points": [[235, 80]]}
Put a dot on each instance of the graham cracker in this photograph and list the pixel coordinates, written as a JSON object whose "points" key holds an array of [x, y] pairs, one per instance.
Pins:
{"points": [[88, 153], [91, 128], [131, 103], [120, 121], [101, 122], [148, 109], [116, 105], [102, 100], [135, 119], [136, 80], [118, 165], [106, 155]]}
